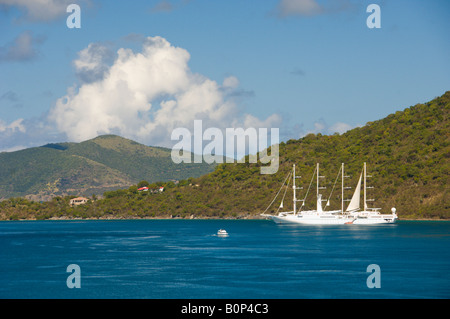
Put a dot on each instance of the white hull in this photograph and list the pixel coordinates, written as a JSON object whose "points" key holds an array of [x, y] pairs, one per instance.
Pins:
{"points": [[375, 218], [332, 219], [222, 233], [311, 219], [308, 221], [372, 221]]}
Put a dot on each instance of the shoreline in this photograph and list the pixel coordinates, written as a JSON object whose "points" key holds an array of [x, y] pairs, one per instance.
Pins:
{"points": [[65, 218]]}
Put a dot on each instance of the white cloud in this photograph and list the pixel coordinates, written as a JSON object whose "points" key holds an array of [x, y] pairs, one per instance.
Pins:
{"points": [[252, 121], [12, 127], [8, 134], [322, 127], [92, 62], [145, 95], [24, 133], [319, 127], [13, 149], [339, 127], [231, 82], [41, 10]]}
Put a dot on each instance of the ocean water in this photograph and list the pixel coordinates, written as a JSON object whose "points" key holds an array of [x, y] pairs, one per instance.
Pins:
{"points": [[168, 259]]}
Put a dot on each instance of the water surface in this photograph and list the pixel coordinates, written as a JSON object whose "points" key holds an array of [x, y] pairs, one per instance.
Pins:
{"points": [[259, 259]]}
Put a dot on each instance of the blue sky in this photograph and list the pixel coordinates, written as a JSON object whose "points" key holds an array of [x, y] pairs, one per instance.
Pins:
{"points": [[300, 65]]}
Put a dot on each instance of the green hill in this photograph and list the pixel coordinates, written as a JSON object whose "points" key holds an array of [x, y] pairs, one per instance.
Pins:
{"points": [[91, 167], [407, 153]]}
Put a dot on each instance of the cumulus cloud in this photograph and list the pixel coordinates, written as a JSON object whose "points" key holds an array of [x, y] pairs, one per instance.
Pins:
{"points": [[145, 95], [93, 62], [40, 10], [22, 48]]}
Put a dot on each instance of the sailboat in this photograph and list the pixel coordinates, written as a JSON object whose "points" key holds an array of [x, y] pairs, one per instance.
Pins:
{"points": [[319, 216], [368, 215], [352, 215]]}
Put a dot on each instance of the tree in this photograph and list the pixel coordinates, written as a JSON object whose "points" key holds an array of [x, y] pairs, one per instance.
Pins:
{"points": [[143, 184]]}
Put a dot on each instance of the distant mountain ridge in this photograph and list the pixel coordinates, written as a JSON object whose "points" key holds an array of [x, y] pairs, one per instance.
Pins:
{"points": [[90, 167]]}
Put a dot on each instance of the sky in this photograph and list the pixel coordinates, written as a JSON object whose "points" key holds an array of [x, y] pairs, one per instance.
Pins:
{"points": [[141, 69]]}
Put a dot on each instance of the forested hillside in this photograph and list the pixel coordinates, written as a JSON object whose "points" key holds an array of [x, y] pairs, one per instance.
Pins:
{"points": [[407, 153], [91, 167]]}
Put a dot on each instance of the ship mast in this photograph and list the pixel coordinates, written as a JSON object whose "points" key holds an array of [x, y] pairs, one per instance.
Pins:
{"points": [[317, 185], [319, 197], [365, 190], [342, 189], [293, 187], [365, 187]]}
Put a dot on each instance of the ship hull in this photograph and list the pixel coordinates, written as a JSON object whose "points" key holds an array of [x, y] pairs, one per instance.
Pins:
{"points": [[310, 220], [332, 219]]}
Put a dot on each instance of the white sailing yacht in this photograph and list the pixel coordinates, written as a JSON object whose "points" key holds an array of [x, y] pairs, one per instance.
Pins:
{"points": [[315, 217], [368, 215], [352, 214]]}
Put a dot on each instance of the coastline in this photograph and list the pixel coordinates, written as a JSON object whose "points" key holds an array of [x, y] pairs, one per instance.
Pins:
{"points": [[256, 217]]}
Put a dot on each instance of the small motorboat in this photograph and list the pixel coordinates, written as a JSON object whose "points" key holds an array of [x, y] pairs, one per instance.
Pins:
{"points": [[222, 233]]}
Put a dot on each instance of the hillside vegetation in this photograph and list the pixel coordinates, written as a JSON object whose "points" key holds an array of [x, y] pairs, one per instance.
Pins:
{"points": [[92, 167], [407, 153]]}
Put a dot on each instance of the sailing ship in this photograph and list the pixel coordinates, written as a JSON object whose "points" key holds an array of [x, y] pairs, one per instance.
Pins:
{"points": [[368, 215], [319, 216]]}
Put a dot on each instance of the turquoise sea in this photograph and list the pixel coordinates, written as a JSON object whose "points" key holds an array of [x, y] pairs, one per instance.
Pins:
{"points": [[168, 259]]}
